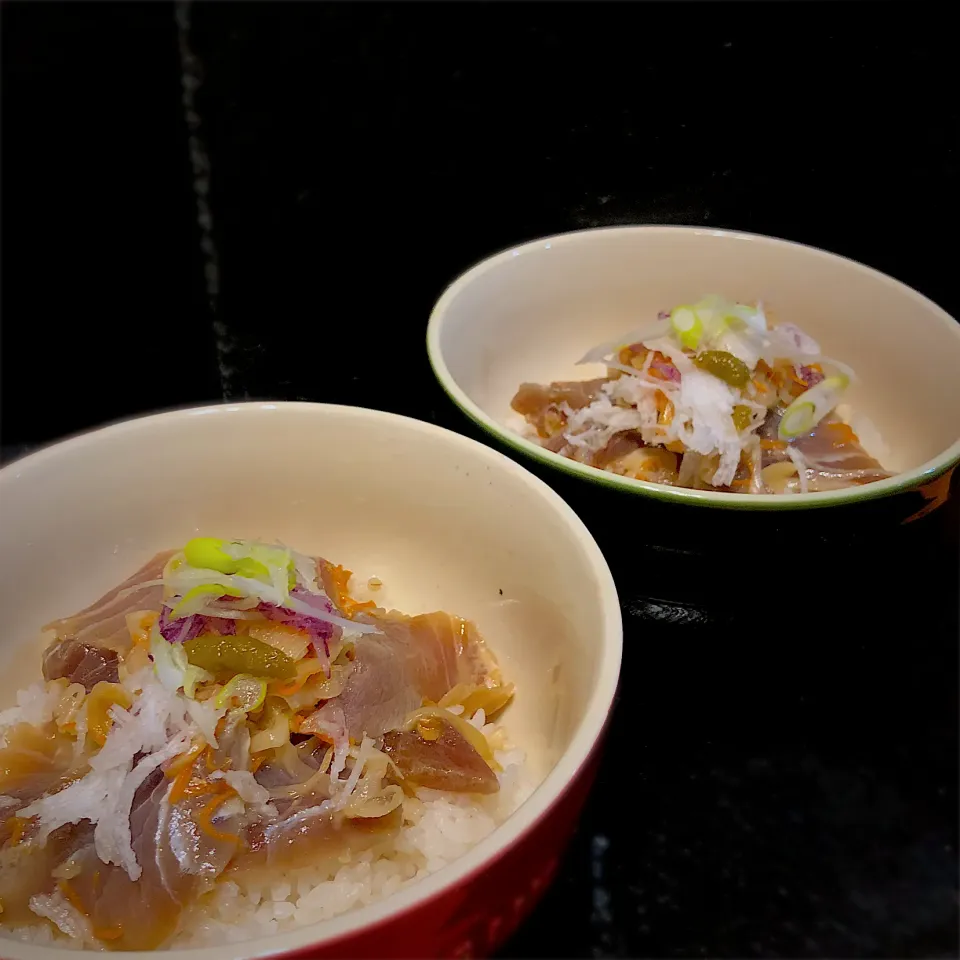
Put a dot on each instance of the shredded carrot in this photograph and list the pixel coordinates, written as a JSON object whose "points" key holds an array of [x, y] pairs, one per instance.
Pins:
{"points": [[772, 445], [664, 408], [18, 827], [72, 897], [204, 819], [760, 385], [341, 580], [208, 760], [340, 576], [796, 378], [185, 760], [141, 636], [294, 686], [108, 933], [180, 784], [844, 434], [199, 787], [741, 482], [296, 721], [256, 763], [185, 772], [196, 788]]}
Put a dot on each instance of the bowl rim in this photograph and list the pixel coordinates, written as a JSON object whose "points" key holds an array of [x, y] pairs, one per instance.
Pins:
{"points": [[900, 482], [547, 795]]}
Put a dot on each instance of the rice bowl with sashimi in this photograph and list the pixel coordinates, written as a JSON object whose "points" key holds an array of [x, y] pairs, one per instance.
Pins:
{"points": [[228, 745], [713, 395]]}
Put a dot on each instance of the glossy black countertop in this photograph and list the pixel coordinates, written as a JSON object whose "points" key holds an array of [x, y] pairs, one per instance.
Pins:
{"points": [[216, 202]]}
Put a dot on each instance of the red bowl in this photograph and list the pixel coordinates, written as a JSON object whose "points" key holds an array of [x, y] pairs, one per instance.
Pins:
{"points": [[450, 524], [474, 917]]}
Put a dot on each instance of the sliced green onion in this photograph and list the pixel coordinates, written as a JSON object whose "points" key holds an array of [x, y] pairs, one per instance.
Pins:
{"points": [[251, 560], [811, 407], [243, 692], [207, 553], [252, 569], [687, 326], [192, 678], [196, 597]]}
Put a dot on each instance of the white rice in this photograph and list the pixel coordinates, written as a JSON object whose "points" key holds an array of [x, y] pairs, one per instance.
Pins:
{"points": [[438, 828]]}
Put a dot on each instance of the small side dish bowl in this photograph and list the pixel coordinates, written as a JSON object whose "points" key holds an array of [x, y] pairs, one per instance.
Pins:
{"points": [[529, 313], [444, 522]]}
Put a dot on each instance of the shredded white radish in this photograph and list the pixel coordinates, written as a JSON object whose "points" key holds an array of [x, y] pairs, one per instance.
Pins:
{"points": [[801, 466], [112, 835]]}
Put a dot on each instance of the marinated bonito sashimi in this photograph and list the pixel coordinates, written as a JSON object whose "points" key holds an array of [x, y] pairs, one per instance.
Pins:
{"points": [[231, 717], [711, 396]]}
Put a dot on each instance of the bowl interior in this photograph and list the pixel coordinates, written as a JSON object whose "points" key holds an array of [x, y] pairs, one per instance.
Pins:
{"points": [[445, 522], [529, 314]]}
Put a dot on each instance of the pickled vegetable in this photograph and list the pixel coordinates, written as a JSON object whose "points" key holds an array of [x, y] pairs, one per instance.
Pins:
{"points": [[274, 727], [102, 697], [288, 640], [239, 654], [777, 475], [243, 692], [741, 417], [473, 697], [724, 366]]}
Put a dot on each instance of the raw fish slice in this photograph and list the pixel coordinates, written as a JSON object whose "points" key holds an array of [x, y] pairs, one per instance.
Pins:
{"points": [[179, 852], [447, 763], [103, 624], [310, 837], [535, 401], [33, 762], [26, 869], [834, 457], [80, 662], [414, 659]]}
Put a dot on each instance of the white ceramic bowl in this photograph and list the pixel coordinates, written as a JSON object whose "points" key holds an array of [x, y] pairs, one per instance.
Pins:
{"points": [[445, 522], [529, 313]]}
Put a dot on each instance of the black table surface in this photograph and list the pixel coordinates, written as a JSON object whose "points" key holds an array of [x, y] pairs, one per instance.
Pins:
{"points": [[216, 202]]}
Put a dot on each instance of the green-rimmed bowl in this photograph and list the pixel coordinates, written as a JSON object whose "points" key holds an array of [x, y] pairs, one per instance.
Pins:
{"points": [[528, 314]]}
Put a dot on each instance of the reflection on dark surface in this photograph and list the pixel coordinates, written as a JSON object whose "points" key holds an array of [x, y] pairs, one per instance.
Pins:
{"points": [[781, 777]]}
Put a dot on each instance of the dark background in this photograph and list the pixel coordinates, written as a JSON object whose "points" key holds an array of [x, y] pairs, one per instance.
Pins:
{"points": [[784, 792]]}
